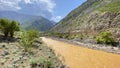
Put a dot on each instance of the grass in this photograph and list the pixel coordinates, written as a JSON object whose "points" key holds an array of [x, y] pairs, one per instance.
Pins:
{"points": [[96, 3], [111, 7]]}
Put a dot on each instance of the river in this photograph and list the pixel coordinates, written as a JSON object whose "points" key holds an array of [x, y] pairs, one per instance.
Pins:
{"points": [[81, 57]]}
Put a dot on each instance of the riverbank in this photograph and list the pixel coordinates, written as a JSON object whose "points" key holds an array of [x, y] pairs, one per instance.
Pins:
{"points": [[102, 47], [13, 55]]}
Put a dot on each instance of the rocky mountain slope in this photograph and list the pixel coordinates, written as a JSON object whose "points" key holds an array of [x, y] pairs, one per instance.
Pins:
{"points": [[91, 18], [28, 21]]}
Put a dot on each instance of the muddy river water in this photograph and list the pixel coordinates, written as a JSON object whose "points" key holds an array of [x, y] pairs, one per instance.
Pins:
{"points": [[81, 57]]}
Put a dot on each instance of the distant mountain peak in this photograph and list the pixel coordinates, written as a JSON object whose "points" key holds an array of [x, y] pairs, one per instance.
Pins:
{"points": [[28, 21]]}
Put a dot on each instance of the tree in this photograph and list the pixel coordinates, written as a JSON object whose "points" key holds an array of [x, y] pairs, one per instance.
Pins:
{"points": [[14, 26], [9, 27], [4, 26]]}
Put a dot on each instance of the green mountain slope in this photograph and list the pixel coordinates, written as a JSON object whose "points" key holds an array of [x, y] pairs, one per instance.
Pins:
{"points": [[38, 23], [91, 18]]}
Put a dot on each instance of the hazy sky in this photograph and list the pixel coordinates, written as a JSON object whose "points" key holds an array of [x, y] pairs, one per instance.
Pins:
{"points": [[51, 9]]}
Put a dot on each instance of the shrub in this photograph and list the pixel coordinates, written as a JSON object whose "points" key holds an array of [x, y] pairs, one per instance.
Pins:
{"points": [[27, 38], [40, 62], [32, 34], [80, 36], [71, 37], [65, 35], [25, 42], [105, 37]]}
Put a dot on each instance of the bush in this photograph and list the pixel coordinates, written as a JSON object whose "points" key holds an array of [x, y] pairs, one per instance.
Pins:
{"points": [[80, 36], [27, 38], [41, 62], [105, 37], [32, 34], [9, 27]]}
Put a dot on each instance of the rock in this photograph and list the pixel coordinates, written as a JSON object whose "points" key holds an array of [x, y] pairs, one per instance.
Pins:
{"points": [[49, 57], [5, 53], [20, 57], [21, 62], [115, 48], [25, 58], [3, 46], [16, 65], [2, 62], [7, 57], [40, 49]]}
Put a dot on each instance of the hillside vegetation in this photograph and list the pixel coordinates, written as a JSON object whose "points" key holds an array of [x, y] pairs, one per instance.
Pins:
{"points": [[92, 18]]}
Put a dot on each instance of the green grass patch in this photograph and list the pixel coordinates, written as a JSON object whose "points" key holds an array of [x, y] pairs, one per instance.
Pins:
{"points": [[111, 7]]}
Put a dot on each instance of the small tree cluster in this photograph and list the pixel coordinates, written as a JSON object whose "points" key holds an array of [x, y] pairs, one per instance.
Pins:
{"points": [[8, 27], [27, 38], [105, 37]]}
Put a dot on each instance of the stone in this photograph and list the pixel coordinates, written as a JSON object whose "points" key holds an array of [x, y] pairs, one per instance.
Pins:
{"points": [[2, 62], [115, 48], [3, 46], [5, 53], [7, 57]]}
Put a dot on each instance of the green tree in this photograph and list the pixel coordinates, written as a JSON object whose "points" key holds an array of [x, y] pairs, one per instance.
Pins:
{"points": [[14, 26], [4, 26], [9, 27]]}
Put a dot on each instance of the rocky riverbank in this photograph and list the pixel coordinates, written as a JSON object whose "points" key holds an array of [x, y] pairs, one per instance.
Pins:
{"points": [[91, 45], [12, 55]]}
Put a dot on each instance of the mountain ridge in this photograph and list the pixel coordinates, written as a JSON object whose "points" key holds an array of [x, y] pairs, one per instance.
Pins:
{"points": [[25, 19]]}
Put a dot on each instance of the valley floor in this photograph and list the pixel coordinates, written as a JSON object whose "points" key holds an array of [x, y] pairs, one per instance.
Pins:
{"points": [[81, 57]]}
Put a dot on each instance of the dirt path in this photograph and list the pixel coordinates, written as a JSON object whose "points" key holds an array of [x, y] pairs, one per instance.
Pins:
{"points": [[80, 57]]}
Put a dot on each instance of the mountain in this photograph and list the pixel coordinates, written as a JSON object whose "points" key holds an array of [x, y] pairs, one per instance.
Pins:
{"points": [[28, 21], [38, 23], [91, 18]]}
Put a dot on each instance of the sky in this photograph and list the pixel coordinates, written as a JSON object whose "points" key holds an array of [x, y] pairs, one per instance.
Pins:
{"points": [[51, 9]]}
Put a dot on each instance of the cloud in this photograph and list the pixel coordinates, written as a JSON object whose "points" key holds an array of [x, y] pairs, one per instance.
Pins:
{"points": [[9, 5], [33, 7], [27, 1], [57, 18]]}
